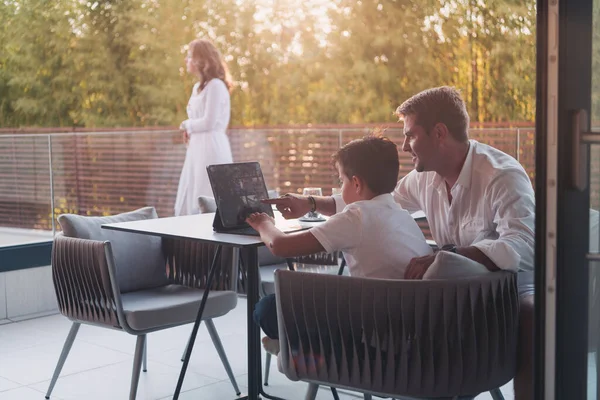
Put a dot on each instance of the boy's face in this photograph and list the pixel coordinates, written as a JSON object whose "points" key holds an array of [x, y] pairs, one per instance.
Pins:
{"points": [[349, 194]]}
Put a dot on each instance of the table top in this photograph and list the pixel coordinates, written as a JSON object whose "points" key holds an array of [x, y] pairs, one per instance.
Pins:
{"points": [[195, 227]]}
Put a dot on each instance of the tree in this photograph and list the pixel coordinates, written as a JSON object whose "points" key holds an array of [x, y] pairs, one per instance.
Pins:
{"points": [[37, 69]]}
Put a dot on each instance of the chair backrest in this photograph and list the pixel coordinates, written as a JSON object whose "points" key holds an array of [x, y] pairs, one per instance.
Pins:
{"points": [[399, 338], [139, 260], [82, 282], [189, 261]]}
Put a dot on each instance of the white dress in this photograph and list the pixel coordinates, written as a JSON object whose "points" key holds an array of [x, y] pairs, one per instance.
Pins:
{"points": [[208, 116]]}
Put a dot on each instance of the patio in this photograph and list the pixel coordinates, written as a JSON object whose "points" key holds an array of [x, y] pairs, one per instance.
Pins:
{"points": [[99, 366]]}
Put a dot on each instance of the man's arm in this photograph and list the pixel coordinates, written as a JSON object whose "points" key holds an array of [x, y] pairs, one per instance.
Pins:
{"points": [[513, 203], [475, 254], [417, 267]]}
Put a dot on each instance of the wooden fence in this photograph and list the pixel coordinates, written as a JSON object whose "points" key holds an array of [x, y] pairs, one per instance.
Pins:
{"points": [[100, 173]]}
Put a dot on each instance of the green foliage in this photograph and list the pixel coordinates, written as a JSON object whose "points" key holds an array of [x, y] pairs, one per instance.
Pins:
{"points": [[120, 62]]}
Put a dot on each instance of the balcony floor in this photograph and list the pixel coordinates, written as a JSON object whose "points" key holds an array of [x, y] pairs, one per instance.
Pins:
{"points": [[99, 366]]}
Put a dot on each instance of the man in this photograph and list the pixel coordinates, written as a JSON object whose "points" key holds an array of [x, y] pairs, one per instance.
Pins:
{"points": [[479, 202]]}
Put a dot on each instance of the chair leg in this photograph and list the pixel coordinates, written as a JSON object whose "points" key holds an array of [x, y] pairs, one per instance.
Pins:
{"points": [[137, 365], [145, 359], [267, 367], [185, 350], [63, 356], [335, 394], [217, 342], [311, 393], [497, 394]]}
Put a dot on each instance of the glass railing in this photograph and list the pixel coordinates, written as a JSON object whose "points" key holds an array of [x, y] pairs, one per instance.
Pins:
{"points": [[103, 173]]}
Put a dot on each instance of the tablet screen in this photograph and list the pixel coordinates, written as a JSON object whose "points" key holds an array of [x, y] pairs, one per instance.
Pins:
{"points": [[238, 189]]}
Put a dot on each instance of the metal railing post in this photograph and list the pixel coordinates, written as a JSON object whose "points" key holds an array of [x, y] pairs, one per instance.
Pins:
{"points": [[51, 184], [518, 144]]}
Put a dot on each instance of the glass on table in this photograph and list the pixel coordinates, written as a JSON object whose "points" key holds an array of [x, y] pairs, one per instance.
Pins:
{"points": [[312, 216]]}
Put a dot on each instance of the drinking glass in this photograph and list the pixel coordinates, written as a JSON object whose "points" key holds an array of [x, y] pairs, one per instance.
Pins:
{"points": [[336, 190], [312, 216]]}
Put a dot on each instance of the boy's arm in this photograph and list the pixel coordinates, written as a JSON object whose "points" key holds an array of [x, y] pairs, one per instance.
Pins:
{"points": [[282, 244], [294, 206]]}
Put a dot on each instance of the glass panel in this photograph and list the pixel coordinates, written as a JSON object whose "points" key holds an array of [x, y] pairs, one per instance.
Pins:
{"points": [[25, 187], [291, 159], [110, 173]]}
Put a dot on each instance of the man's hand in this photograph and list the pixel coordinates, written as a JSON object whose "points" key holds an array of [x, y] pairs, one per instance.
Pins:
{"points": [[418, 266], [258, 220], [290, 205]]}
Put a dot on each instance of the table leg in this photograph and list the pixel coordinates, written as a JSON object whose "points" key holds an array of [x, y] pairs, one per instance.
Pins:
{"points": [[255, 388], [188, 352], [250, 258]]}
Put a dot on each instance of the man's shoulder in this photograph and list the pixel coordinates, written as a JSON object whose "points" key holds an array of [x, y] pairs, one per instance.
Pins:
{"points": [[490, 162], [414, 177]]}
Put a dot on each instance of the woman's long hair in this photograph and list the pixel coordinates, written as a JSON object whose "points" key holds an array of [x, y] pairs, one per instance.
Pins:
{"points": [[209, 62]]}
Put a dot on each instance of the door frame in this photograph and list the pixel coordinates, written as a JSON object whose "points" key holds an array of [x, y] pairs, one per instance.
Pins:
{"points": [[562, 236]]}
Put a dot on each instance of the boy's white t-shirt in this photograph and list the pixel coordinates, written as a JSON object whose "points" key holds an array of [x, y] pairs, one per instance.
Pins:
{"points": [[377, 236]]}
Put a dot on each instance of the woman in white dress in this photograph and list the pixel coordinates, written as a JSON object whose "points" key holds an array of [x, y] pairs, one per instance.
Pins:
{"points": [[205, 129]]}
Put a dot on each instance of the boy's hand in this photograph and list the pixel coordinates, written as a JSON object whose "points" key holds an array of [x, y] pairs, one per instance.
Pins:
{"points": [[290, 205], [258, 220]]}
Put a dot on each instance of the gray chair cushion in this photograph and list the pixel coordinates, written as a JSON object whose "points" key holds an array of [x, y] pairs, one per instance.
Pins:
{"points": [[207, 204], [265, 257], [449, 265], [139, 259], [173, 305], [267, 273]]}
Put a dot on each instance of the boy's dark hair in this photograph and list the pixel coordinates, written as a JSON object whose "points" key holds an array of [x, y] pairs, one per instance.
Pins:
{"points": [[372, 158]]}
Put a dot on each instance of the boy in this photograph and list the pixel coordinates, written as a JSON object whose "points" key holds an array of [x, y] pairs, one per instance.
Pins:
{"points": [[377, 237]]}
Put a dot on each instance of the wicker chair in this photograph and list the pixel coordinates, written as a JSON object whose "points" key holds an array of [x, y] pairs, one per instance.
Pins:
{"points": [[396, 338], [136, 283]]}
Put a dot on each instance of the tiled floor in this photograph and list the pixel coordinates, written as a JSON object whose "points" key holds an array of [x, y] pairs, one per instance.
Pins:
{"points": [[99, 366]]}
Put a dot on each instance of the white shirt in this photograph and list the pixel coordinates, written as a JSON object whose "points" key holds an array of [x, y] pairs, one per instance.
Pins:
{"points": [[493, 208], [378, 237]]}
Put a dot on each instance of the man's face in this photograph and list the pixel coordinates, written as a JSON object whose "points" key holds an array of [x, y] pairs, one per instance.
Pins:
{"points": [[420, 144]]}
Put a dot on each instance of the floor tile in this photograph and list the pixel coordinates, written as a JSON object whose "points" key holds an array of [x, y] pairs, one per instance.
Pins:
{"points": [[24, 393], [36, 364], [205, 359], [113, 382], [6, 384], [219, 390], [22, 335]]}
